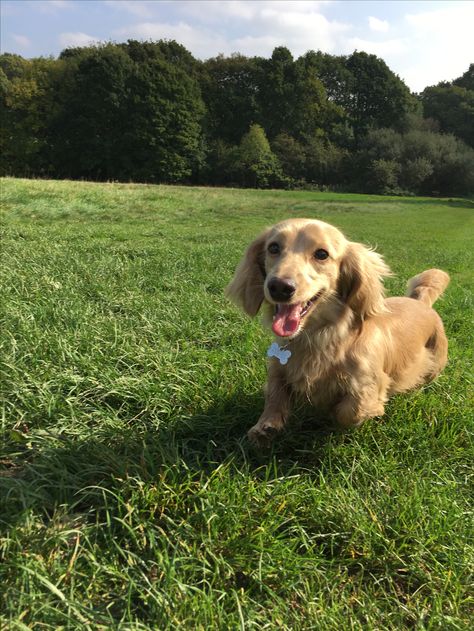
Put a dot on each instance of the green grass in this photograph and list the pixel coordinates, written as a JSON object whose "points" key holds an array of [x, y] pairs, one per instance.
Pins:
{"points": [[129, 497]]}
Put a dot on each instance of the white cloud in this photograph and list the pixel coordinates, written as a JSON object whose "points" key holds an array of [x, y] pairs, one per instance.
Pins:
{"points": [[303, 31], [442, 45], [296, 25], [210, 11], [394, 46], [423, 42], [21, 40], [77, 39], [198, 41], [380, 26], [260, 46]]}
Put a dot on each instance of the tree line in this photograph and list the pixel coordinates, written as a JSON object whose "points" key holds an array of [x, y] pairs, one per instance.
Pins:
{"points": [[151, 112]]}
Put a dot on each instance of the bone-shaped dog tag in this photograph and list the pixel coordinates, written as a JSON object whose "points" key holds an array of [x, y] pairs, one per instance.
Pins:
{"points": [[282, 355]]}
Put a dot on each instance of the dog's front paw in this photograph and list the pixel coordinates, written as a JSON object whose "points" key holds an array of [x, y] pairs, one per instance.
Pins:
{"points": [[263, 433]]}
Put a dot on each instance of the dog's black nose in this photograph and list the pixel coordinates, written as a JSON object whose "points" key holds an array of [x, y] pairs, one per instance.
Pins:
{"points": [[281, 289]]}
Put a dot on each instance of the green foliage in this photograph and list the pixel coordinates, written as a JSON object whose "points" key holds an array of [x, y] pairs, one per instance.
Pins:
{"points": [[324, 162], [163, 140], [292, 99], [383, 143], [223, 161], [230, 89], [451, 159], [376, 96], [291, 155], [453, 107], [88, 133], [426, 162], [467, 79], [129, 496], [258, 165], [277, 92], [415, 173], [151, 112], [128, 116], [384, 176], [27, 107], [370, 94]]}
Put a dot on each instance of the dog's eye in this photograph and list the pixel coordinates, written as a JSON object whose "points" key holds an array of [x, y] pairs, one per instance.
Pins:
{"points": [[321, 254], [274, 248]]}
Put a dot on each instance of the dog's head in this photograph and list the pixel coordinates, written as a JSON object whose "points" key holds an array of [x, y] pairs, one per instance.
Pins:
{"points": [[298, 266]]}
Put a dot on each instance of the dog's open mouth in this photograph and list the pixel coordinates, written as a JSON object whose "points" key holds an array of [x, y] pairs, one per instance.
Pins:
{"points": [[287, 318]]}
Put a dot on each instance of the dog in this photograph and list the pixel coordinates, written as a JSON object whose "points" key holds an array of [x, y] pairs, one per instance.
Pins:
{"points": [[346, 347]]}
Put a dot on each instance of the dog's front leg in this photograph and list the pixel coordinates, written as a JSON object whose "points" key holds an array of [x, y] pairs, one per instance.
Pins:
{"points": [[277, 407]]}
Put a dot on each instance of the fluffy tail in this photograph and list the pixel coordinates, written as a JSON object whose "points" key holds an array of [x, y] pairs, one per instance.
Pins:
{"points": [[428, 286]]}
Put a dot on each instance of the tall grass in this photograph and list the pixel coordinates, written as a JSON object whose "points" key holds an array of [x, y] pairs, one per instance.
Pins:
{"points": [[129, 496]]}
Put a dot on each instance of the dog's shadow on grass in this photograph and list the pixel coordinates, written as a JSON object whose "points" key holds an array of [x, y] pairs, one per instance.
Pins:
{"points": [[55, 470]]}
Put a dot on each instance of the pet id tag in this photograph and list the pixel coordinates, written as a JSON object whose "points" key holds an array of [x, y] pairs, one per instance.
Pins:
{"points": [[281, 354]]}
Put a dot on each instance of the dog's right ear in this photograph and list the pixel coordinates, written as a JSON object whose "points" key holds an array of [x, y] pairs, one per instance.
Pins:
{"points": [[246, 288], [360, 280]]}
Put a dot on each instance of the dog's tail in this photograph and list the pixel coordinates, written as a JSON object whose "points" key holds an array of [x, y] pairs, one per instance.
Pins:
{"points": [[428, 286]]}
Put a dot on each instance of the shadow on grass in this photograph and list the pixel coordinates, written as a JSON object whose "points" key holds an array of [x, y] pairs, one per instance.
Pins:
{"points": [[55, 470]]}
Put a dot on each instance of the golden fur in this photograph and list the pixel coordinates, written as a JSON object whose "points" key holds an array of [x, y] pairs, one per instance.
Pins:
{"points": [[353, 348]]}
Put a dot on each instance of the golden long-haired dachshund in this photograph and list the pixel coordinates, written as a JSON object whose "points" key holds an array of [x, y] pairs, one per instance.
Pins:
{"points": [[339, 341]]}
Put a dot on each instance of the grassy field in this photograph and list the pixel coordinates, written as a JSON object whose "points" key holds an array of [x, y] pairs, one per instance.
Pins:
{"points": [[129, 496]]}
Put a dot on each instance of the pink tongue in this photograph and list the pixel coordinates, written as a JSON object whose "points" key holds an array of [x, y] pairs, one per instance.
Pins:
{"points": [[286, 320]]}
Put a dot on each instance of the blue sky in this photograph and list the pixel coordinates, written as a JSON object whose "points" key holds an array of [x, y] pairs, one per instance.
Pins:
{"points": [[423, 42]]}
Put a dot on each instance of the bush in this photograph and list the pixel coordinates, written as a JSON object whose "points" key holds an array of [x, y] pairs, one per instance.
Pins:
{"points": [[415, 173], [419, 161], [324, 162], [384, 176]]}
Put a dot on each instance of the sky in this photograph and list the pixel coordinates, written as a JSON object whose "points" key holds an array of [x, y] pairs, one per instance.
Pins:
{"points": [[424, 42]]}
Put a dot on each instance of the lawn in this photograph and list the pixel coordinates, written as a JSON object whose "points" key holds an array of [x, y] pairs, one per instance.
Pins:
{"points": [[129, 495]]}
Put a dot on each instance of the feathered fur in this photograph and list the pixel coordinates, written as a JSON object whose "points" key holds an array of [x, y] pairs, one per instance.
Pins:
{"points": [[354, 347]]}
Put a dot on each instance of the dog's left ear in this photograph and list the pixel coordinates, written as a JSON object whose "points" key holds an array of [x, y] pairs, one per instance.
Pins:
{"points": [[360, 280], [246, 288]]}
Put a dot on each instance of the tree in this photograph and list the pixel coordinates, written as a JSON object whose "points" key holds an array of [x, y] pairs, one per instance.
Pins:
{"points": [[375, 95], [258, 165], [384, 143], [149, 111], [163, 142], [293, 100], [126, 117], [384, 176], [333, 73], [415, 173], [324, 162], [276, 94], [229, 86], [452, 162], [467, 79], [27, 105], [291, 155], [453, 107], [87, 134], [223, 166], [419, 161]]}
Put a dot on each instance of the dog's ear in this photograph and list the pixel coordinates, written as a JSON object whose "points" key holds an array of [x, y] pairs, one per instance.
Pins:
{"points": [[246, 288], [360, 280]]}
